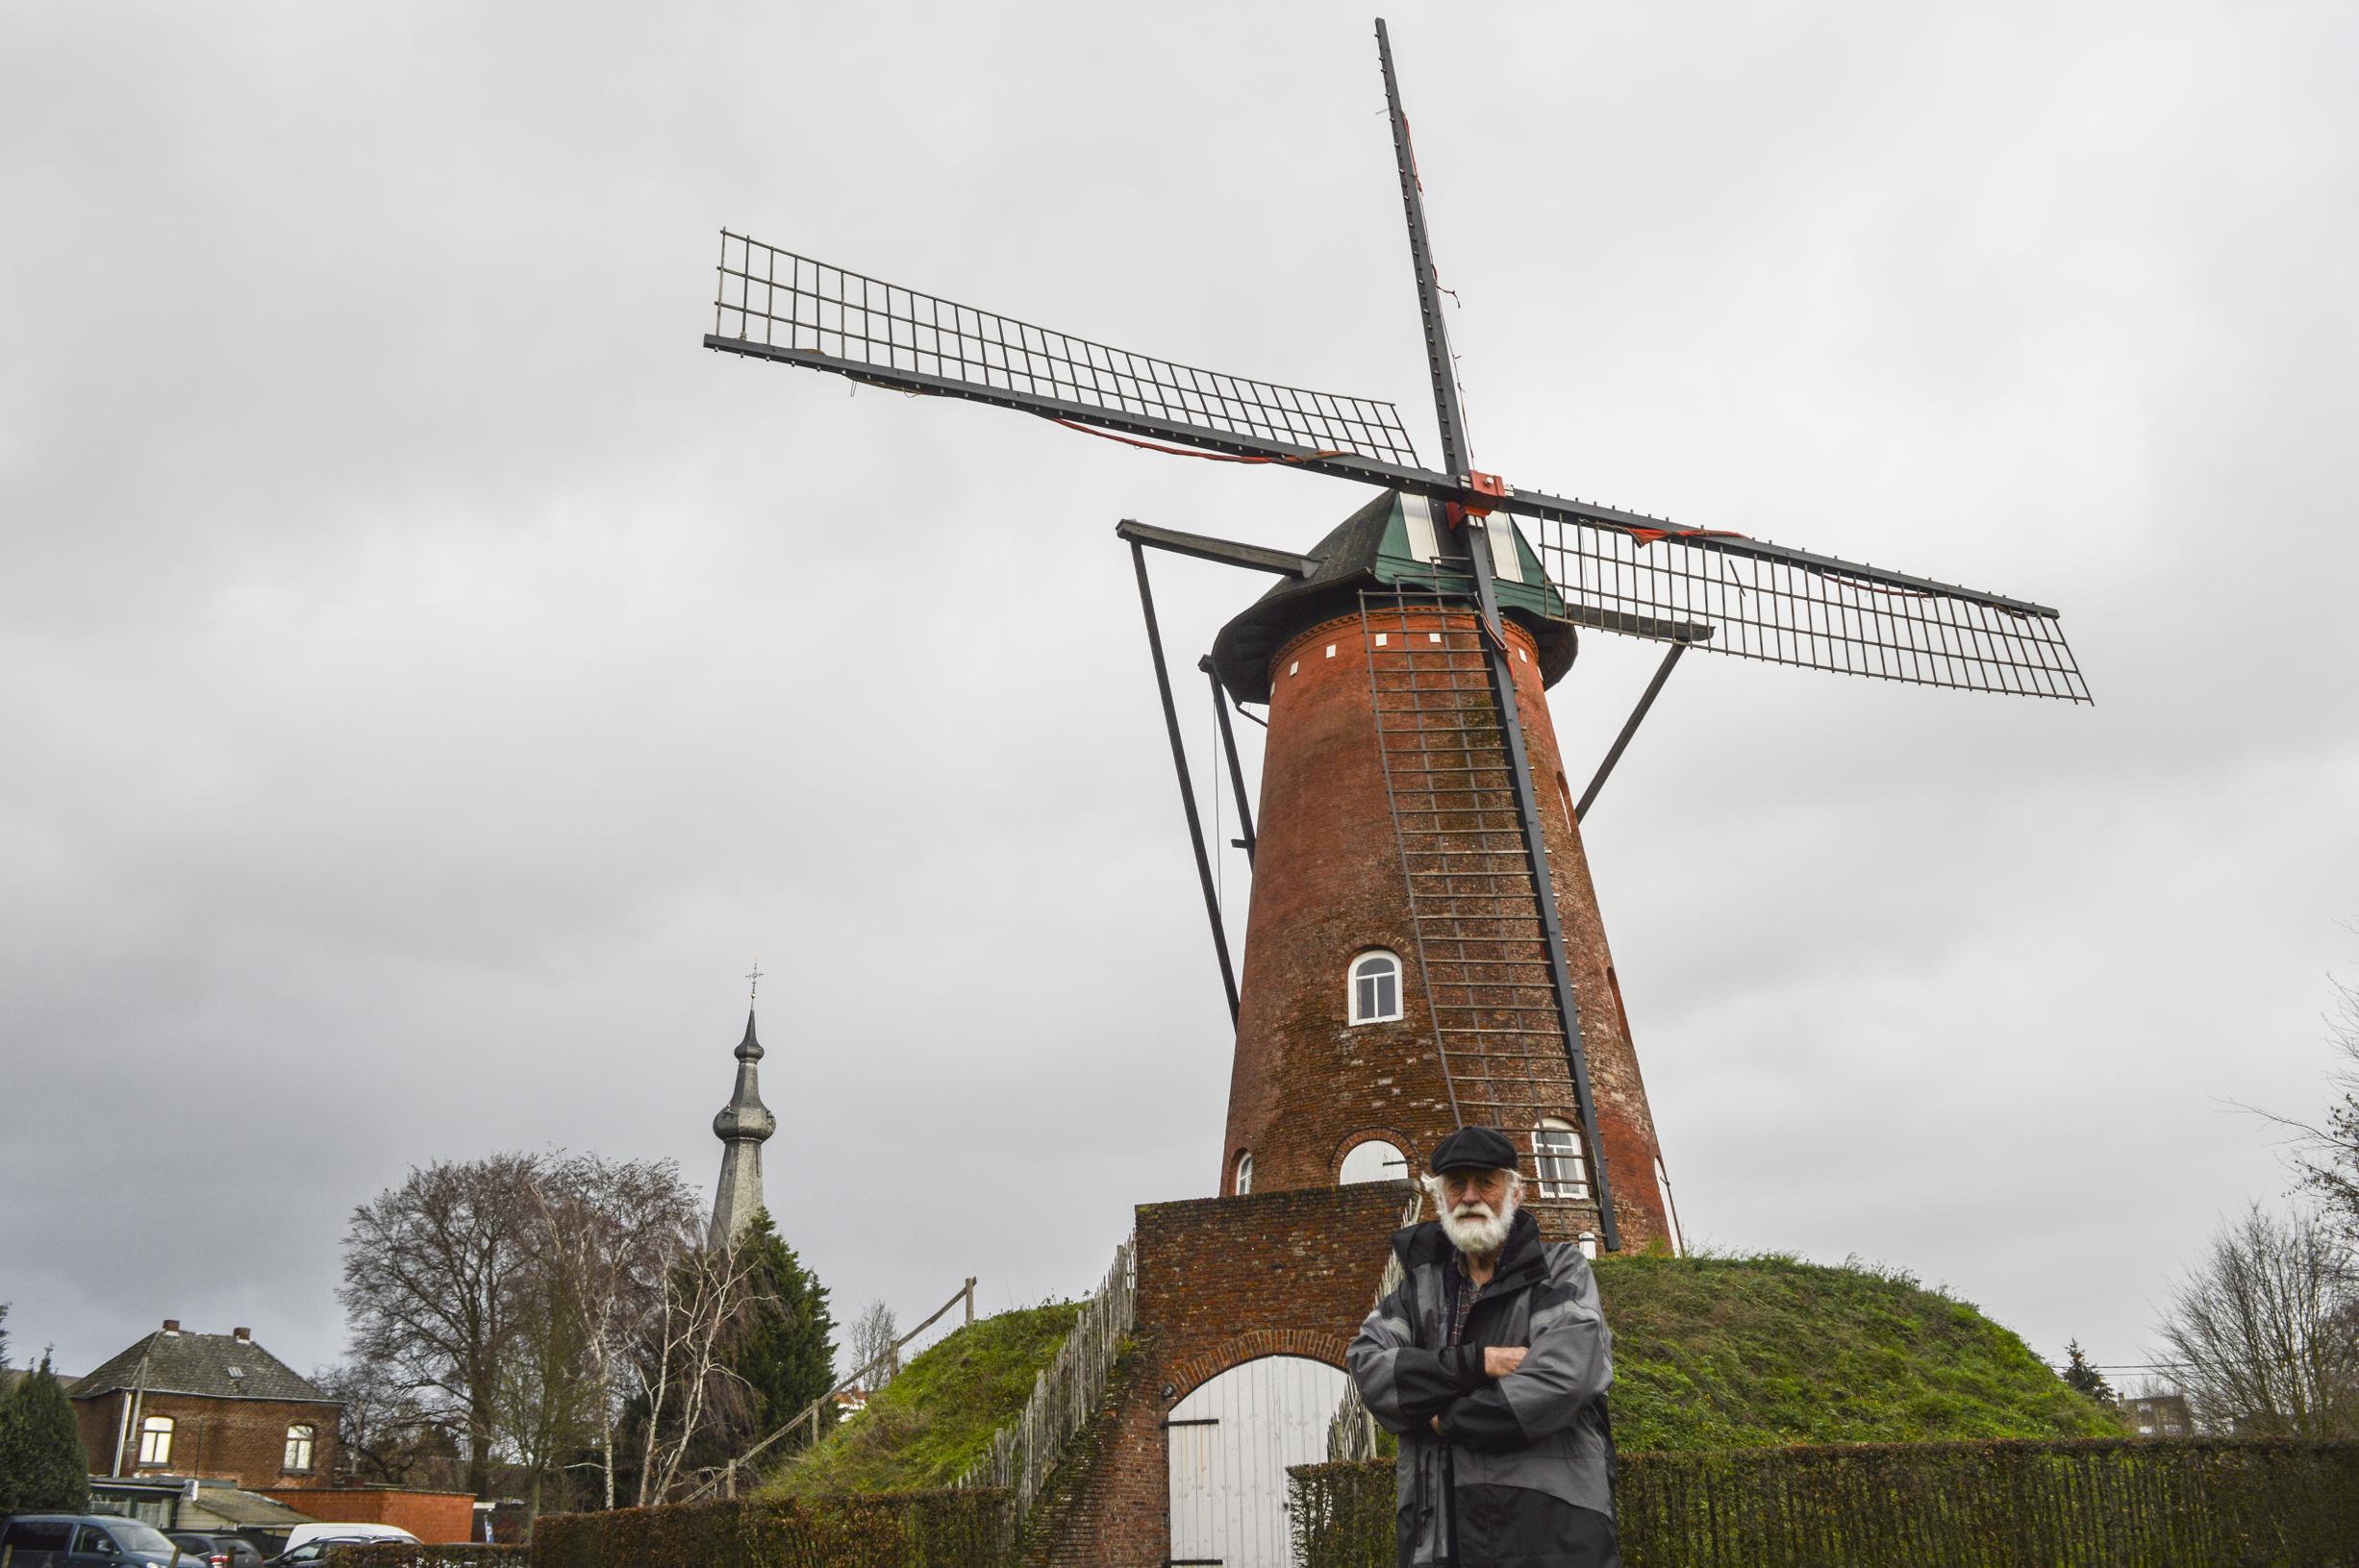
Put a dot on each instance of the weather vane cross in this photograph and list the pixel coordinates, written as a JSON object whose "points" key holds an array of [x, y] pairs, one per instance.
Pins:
{"points": [[754, 985]]}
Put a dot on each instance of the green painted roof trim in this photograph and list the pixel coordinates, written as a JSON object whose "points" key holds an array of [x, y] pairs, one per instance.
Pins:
{"points": [[1396, 563]]}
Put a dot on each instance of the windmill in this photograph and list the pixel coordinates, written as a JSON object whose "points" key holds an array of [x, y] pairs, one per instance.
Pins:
{"points": [[1430, 624]]}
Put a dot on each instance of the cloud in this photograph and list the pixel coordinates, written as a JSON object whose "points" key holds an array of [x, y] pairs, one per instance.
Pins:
{"points": [[431, 679]]}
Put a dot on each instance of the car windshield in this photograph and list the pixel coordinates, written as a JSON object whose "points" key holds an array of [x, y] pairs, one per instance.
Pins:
{"points": [[146, 1539]]}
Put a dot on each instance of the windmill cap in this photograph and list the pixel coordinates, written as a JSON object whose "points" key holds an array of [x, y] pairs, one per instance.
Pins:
{"points": [[1475, 1148], [1372, 549]]}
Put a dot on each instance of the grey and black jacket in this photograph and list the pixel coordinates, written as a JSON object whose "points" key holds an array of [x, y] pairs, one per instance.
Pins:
{"points": [[1520, 1474]]}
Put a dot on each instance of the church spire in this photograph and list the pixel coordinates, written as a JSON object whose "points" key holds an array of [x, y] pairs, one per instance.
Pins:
{"points": [[742, 1126]]}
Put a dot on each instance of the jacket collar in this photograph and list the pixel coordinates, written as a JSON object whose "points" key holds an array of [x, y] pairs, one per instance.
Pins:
{"points": [[1521, 1262]]}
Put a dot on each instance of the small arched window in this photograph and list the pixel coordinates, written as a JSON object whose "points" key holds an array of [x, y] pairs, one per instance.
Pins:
{"points": [[1375, 987], [1242, 1182], [1374, 1160], [1556, 1154], [156, 1439], [299, 1442]]}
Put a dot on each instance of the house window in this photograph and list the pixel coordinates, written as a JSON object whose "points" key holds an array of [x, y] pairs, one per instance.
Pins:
{"points": [[1374, 1160], [298, 1449], [156, 1439], [1244, 1183], [1556, 1153], [1375, 987]]}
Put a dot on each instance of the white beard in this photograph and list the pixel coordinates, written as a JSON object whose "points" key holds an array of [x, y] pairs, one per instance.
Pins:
{"points": [[1473, 1229]]}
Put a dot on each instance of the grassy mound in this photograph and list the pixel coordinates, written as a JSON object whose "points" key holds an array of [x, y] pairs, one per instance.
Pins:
{"points": [[937, 1417], [1708, 1352], [1753, 1351]]}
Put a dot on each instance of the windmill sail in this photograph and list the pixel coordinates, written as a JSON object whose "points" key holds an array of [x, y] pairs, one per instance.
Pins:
{"points": [[1731, 594], [1789, 607], [774, 304]]}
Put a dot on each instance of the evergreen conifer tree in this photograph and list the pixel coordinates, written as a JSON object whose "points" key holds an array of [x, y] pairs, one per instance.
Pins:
{"points": [[787, 1352], [2081, 1375], [43, 1467]]}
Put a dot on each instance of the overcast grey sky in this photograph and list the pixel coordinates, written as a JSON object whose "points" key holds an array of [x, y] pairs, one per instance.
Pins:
{"points": [[429, 679]]}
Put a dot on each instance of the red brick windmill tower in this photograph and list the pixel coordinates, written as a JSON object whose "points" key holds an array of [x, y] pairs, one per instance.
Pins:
{"points": [[1425, 947]]}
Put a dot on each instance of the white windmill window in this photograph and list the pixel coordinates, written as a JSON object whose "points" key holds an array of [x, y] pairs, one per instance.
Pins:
{"points": [[1556, 1154], [1244, 1181], [1375, 987], [1374, 1160]]}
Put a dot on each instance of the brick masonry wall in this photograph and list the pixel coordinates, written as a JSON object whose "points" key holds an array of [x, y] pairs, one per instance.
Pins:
{"points": [[430, 1516], [239, 1440], [1222, 1282], [1307, 1085]]}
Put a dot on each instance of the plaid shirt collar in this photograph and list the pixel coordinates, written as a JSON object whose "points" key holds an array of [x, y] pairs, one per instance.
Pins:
{"points": [[1462, 1291]]}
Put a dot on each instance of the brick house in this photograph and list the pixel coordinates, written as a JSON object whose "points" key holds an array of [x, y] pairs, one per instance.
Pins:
{"points": [[215, 1405]]}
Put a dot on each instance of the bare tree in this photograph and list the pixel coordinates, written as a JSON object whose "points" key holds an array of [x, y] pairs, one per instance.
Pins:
{"points": [[607, 1239], [433, 1272], [383, 1434], [873, 1360], [2329, 1157], [2267, 1327], [503, 1298], [687, 1385]]}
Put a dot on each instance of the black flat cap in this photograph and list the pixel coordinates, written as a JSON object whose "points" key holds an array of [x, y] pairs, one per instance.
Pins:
{"points": [[1478, 1148]]}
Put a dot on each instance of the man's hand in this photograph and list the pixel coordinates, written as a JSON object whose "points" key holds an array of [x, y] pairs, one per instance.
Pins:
{"points": [[1498, 1360]]}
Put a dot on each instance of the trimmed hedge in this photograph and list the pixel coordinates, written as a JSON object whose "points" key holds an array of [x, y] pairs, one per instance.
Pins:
{"points": [[414, 1555], [2098, 1502], [974, 1528]]}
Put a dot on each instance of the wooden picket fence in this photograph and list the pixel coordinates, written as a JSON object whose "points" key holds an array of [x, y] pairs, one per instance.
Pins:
{"points": [[1352, 1433], [1066, 1393]]}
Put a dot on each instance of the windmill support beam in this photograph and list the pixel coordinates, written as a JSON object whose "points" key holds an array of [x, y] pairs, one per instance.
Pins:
{"points": [[1622, 741], [1535, 860], [1187, 794], [1228, 749], [1253, 557]]}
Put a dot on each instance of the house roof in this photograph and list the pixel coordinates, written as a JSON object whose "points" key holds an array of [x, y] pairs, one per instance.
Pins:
{"points": [[239, 1509], [213, 1365]]}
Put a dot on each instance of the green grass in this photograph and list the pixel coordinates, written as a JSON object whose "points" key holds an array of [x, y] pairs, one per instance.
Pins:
{"points": [[1755, 1351], [1708, 1352], [937, 1417]]}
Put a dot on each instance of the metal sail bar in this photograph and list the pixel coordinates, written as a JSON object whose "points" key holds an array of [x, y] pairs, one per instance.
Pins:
{"points": [[774, 304]]}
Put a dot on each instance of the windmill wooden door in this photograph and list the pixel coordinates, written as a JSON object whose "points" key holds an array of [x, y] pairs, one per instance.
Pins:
{"points": [[1230, 1443]]}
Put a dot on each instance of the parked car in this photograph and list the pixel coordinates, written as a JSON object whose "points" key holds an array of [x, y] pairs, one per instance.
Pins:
{"points": [[303, 1533], [217, 1551], [83, 1540], [308, 1544]]}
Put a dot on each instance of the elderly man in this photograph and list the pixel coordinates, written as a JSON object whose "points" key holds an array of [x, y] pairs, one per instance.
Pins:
{"points": [[1492, 1361]]}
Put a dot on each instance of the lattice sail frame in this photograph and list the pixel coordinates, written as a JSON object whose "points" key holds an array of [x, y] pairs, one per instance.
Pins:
{"points": [[1719, 594], [789, 302]]}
